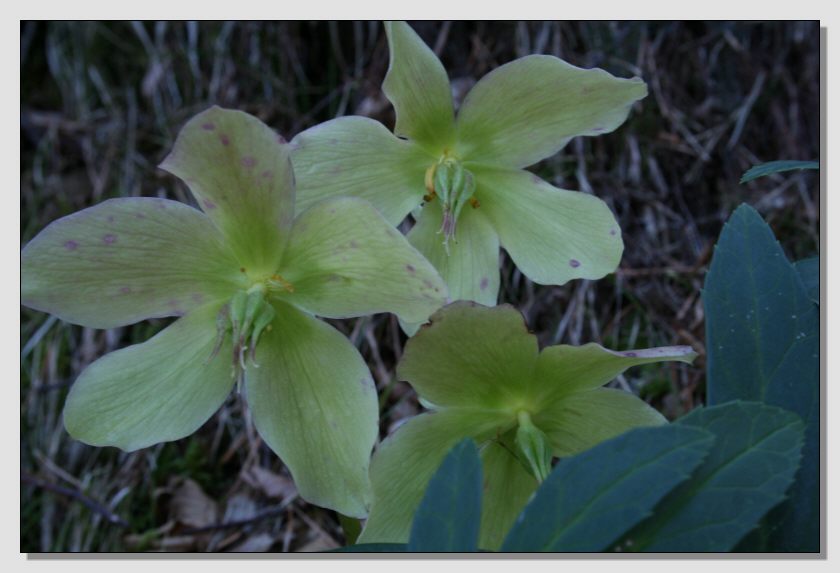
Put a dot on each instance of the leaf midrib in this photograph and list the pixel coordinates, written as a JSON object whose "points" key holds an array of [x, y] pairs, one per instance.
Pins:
{"points": [[623, 477], [689, 493]]}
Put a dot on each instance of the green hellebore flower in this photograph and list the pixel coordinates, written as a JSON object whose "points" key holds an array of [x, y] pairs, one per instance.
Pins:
{"points": [[468, 172], [483, 376], [245, 277]]}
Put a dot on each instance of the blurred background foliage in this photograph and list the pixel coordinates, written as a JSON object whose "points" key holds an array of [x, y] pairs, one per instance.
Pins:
{"points": [[102, 102]]}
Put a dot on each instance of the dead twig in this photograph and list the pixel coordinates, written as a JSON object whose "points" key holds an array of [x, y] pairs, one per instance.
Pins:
{"points": [[271, 512], [88, 502]]}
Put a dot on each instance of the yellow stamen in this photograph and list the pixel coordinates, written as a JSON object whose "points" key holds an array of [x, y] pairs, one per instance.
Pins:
{"points": [[278, 281], [430, 179]]}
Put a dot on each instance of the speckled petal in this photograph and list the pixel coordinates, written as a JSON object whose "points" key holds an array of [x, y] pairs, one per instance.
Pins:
{"points": [[359, 157], [314, 403], [471, 268], [240, 173], [126, 260], [552, 235], [344, 260]]}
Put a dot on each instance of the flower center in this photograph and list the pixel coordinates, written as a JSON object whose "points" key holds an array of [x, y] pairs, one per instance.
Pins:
{"points": [[245, 318], [454, 186], [533, 447]]}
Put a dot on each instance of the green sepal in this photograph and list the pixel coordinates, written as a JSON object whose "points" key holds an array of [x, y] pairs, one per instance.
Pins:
{"points": [[127, 260], [161, 390], [528, 109], [469, 264], [404, 463], [314, 403], [240, 173], [345, 260], [417, 85], [358, 157]]}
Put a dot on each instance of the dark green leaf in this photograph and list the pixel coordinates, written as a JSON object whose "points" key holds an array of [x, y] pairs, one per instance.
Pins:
{"points": [[776, 167], [809, 272], [449, 516], [351, 526], [753, 462], [372, 548], [762, 340], [590, 499]]}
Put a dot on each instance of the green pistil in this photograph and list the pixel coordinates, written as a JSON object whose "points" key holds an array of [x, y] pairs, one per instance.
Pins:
{"points": [[533, 447], [246, 317], [454, 185]]}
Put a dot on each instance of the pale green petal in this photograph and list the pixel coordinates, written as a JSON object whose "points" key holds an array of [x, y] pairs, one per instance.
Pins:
{"points": [[240, 173], [345, 260], [314, 403], [405, 462], [552, 235], [418, 87], [583, 419], [359, 157], [563, 369], [507, 488], [472, 356], [126, 260], [528, 109], [471, 269], [163, 389]]}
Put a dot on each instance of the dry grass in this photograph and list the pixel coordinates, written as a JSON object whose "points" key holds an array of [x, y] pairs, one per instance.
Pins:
{"points": [[102, 103]]}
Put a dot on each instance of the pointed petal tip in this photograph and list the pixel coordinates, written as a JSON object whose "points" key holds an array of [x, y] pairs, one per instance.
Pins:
{"points": [[417, 85], [556, 101], [76, 428], [685, 354]]}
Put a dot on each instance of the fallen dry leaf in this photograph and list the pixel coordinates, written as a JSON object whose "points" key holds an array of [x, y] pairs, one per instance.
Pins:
{"points": [[269, 483], [259, 543], [191, 506], [320, 543]]}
